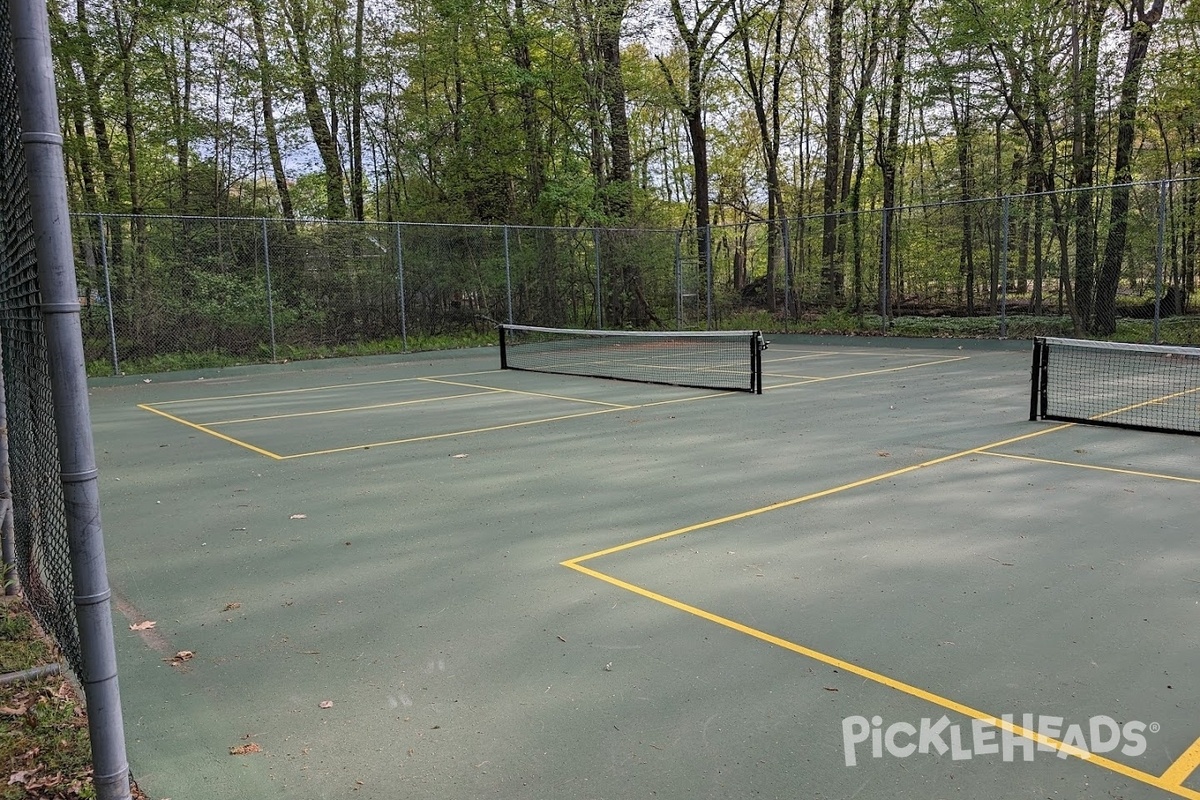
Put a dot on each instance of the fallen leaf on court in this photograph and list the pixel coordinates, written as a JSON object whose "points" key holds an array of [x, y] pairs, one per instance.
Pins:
{"points": [[608, 667], [145, 625], [561, 639], [298, 516], [231, 606], [325, 704], [243, 749], [460, 455], [180, 657], [830, 688], [883, 454]]}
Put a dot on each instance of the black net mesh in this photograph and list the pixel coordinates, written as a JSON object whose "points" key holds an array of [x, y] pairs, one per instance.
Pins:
{"points": [[1111, 383], [725, 360], [43, 554]]}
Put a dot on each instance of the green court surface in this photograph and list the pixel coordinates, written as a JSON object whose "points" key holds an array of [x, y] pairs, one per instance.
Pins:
{"points": [[425, 577]]}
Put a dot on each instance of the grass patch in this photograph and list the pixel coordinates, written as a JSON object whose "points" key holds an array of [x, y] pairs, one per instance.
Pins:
{"points": [[43, 729]]}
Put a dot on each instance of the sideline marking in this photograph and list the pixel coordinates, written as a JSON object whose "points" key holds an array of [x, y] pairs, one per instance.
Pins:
{"points": [[211, 432], [1170, 781], [349, 408], [352, 408], [1167, 782], [481, 390], [327, 387], [527, 394], [1119, 470], [1184, 766], [812, 496], [1163, 399], [433, 436], [870, 372]]}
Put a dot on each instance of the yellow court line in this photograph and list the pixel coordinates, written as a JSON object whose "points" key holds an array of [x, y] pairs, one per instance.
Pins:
{"points": [[203, 429], [372, 407], [1162, 399], [806, 355], [1138, 473], [813, 496], [309, 389], [452, 434], [806, 378], [685, 399], [872, 372], [528, 394], [1184, 766], [1168, 784]]}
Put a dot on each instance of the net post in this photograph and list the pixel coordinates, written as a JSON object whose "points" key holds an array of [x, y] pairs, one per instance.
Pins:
{"points": [[1033, 380], [756, 348], [1037, 380], [503, 348]]}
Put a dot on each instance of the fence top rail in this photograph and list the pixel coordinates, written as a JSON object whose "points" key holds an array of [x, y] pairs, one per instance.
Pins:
{"points": [[579, 229]]}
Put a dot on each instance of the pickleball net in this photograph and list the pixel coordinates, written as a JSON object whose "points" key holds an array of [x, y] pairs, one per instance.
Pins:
{"points": [[705, 360], [1145, 387]]}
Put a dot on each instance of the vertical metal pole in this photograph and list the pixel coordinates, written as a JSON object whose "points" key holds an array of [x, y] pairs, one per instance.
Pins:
{"points": [[708, 268], [112, 328], [883, 270], [8, 542], [400, 288], [596, 258], [678, 280], [1035, 382], [270, 294], [508, 275], [787, 274], [41, 138], [1004, 268], [1159, 255]]}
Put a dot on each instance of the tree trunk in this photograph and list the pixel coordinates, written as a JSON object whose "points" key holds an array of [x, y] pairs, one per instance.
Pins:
{"points": [[314, 111], [1105, 314], [832, 279], [267, 87]]}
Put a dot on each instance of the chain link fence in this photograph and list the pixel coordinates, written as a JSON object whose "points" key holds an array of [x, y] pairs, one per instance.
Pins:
{"points": [[42, 548], [169, 293]]}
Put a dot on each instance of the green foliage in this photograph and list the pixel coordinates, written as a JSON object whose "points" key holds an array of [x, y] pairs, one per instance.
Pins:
{"points": [[48, 739]]}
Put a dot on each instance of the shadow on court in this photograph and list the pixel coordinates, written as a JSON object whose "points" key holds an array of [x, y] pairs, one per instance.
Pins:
{"points": [[425, 577]]}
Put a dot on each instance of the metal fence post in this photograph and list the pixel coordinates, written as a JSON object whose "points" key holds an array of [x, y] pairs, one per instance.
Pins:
{"points": [[678, 280], [8, 542], [112, 328], [270, 295], [883, 270], [708, 273], [596, 258], [41, 138], [400, 288], [1159, 254], [1004, 267], [787, 274], [508, 275]]}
